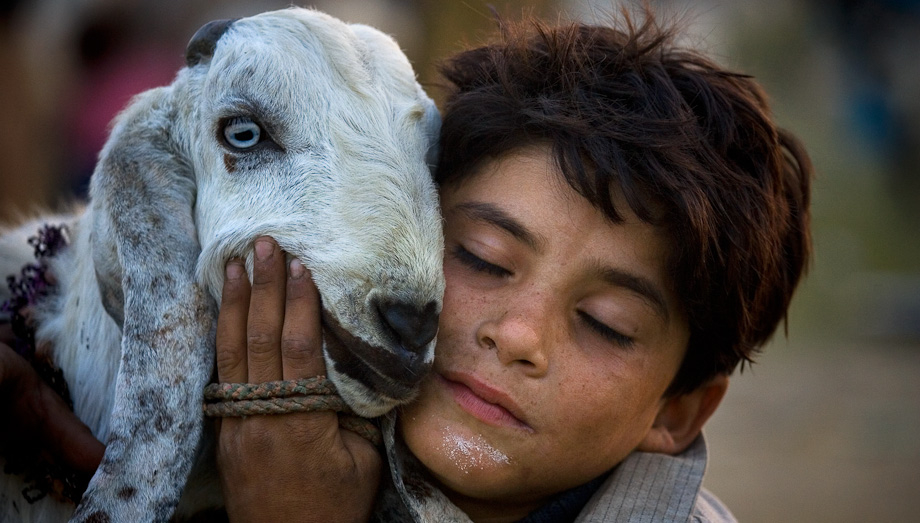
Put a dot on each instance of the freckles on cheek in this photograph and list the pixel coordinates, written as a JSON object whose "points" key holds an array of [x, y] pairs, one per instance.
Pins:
{"points": [[584, 408], [452, 290], [457, 284], [461, 305]]}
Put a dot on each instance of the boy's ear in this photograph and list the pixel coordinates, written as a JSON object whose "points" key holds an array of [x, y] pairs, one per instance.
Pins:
{"points": [[680, 418]]}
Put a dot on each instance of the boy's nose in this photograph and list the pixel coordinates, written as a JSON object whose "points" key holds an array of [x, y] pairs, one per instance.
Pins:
{"points": [[520, 336]]}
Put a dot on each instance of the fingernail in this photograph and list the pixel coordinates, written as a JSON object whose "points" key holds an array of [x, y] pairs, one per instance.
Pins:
{"points": [[263, 250], [297, 269], [234, 269]]}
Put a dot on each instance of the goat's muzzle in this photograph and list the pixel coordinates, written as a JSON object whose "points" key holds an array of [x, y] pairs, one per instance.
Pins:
{"points": [[395, 371], [412, 326]]}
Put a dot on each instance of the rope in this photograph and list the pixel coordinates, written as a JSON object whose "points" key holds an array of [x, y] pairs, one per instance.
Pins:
{"points": [[271, 389], [283, 397]]}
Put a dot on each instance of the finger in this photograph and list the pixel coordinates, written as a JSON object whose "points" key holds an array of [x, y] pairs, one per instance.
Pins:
{"points": [[366, 456], [231, 325], [266, 312], [302, 337]]}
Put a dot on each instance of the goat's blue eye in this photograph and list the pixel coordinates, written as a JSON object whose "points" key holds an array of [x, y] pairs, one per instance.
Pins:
{"points": [[242, 133]]}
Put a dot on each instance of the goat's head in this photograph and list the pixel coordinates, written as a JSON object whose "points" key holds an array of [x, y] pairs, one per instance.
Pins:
{"points": [[291, 124], [316, 133]]}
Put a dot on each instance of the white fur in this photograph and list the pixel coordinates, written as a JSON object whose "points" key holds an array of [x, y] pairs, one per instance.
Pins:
{"points": [[347, 191]]}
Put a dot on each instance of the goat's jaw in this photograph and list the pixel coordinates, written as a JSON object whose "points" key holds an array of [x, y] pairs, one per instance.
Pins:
{"points": [[372, 380]]}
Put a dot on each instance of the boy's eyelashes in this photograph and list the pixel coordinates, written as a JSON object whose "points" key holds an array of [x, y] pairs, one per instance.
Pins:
{"points": [[478, 264], [606, 332]]}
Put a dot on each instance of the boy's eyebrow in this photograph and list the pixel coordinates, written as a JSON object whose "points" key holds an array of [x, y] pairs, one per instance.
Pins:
{"points": [[494, 215]]}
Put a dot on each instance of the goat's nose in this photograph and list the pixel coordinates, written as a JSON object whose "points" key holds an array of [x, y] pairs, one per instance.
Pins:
{"points": [[415, 327]]}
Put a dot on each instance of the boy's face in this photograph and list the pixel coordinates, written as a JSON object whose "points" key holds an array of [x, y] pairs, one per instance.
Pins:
{"points": [[559, 336]]}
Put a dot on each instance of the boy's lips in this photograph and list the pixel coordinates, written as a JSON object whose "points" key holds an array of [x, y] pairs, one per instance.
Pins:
{"points": [[483, 401]]}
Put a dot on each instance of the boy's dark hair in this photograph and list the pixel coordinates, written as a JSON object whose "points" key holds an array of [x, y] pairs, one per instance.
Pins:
{"points": [[692, 147]]}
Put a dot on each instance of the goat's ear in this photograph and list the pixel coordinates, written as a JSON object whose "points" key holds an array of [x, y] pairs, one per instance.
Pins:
{"points": [[145, 243], [201, 47]]}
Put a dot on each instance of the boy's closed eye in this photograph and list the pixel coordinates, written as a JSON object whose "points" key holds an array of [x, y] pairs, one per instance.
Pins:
{"points": [[477, 264], [606, 332]]}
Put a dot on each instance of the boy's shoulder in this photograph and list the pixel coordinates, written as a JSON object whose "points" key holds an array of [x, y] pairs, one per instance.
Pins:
{"points": [[657, 487], [709, 509]]}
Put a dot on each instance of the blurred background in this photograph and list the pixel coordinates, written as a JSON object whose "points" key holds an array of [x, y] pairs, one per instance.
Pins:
{"points": [[826, 427]]}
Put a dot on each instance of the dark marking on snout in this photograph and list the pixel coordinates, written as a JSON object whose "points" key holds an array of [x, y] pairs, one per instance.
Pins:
{"points": [[395, 374], [201, 47]]}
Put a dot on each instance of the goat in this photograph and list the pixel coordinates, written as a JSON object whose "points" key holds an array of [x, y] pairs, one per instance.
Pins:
{"points": [[290, 124]]}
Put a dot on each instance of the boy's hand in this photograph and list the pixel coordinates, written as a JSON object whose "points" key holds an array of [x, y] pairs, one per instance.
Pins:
{"points": [[290, 467]]}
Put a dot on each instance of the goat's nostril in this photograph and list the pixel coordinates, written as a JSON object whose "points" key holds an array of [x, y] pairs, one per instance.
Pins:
{"points": [[415, 327]]}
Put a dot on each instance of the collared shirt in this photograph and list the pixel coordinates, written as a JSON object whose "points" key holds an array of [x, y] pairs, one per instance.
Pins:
{"points": [[645, 487], [649, 487]]}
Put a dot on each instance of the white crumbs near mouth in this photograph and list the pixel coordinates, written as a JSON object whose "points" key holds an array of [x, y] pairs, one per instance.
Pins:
{"points": [[469, 453]]}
